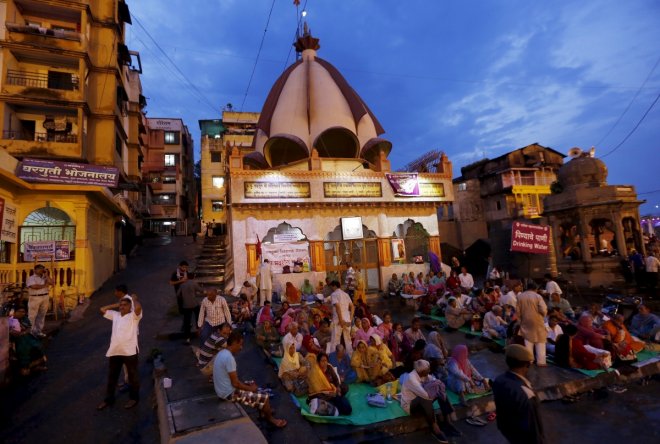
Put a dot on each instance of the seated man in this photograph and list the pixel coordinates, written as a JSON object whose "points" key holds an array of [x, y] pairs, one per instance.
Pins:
{"points": [[229, 387], [394, 286], [307, 291], [494, 325], [554, 330], [323, 334], [294, 335], [216, 342], [556, 301], [249, 290], [645, 325]]}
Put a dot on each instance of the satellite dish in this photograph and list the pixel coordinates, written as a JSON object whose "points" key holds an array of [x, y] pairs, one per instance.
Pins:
{"points": [[574, 153]]}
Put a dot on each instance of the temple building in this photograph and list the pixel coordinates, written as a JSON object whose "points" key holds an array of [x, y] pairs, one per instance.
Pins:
{"points": [[316, 193], [594, 224]]}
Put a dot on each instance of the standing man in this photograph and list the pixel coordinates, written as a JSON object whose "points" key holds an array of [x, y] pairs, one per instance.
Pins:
{"points": [[228, 385], [123, 350], [179, 277], [188, 292], [38, 290], [466, 279], [342, 314], [637, 264], [213, 312], [265, 281], [518, 415], [531, 311], [652, 265]]}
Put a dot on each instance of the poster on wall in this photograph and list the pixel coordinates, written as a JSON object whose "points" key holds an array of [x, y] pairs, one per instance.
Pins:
{"points": [[59, 250], [8, 227], [398, 250], [351, 228], [528, 238], [281, 255], [404, 184]]}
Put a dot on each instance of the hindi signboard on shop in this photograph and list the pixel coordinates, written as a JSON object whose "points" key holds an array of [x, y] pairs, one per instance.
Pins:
{"points": [[528, 238], [50, 171], [8, 226]]}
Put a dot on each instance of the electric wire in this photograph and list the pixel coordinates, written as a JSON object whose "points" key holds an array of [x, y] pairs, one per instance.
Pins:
{"points": [[256, 61]]}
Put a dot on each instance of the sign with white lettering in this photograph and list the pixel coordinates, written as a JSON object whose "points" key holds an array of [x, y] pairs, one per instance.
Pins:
{"points": [[528, 238], [165, 124], [8, 226], [282, 254], [50, 171]]}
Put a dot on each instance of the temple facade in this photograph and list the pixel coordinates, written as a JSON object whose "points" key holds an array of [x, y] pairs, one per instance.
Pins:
{"points": [[317, 195]]}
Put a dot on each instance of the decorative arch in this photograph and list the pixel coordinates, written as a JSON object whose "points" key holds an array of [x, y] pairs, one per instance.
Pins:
{"points": [[335, 235], [415, 238], [337, 142], [603, 234], [48, 224], [282, 149], [632, 234], [287, 229]]}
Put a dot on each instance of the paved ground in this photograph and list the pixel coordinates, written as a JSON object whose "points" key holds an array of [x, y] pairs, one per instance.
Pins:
{"points": [[60, 405]]}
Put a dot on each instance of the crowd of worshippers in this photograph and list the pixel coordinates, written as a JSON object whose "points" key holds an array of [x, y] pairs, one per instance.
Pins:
{"points": [[540, 318]]}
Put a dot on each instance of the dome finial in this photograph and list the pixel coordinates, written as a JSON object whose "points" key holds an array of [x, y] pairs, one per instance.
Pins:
{"points": [[306, 41]]}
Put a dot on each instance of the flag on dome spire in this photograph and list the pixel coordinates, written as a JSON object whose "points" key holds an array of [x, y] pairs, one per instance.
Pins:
{"points": [[296, 2]]}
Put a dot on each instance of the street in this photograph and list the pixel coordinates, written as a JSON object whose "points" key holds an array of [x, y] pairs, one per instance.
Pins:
{"points": [[59, 406]]}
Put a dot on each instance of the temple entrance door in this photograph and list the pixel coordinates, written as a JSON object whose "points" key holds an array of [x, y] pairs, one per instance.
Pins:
{"points": [[362, 253]]}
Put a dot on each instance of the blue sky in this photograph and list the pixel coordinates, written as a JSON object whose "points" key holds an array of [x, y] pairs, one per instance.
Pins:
{"points": [[473, 78]]}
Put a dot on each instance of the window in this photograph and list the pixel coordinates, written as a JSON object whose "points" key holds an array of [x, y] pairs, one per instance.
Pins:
{"points": [[48, 224], [169, 179], [216, 156], [170, 160], [5, 255], [462, 186], [216, 206], [171, 137], [218, 181]]}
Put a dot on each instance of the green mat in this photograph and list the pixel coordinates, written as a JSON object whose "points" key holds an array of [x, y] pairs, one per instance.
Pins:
{"points": [[463, 329], [641, 356]]}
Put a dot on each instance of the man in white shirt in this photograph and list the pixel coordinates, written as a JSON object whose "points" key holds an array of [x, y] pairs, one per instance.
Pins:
{"points": [[467, 281], [551, 286], [652, 264], [123, 350], [213, 312], [293, 336], [511, 298], [265, 282], [37, 286], [554, 330], [342, 314]]}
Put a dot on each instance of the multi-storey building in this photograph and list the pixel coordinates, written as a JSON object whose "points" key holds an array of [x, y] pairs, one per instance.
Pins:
{"points": [[219, 137], [492, 193], [71, 114], [168, 171]]}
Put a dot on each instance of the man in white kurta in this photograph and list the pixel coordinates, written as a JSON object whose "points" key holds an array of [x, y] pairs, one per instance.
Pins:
{"points": [[265, 282], [342, 314], [532, 310]]}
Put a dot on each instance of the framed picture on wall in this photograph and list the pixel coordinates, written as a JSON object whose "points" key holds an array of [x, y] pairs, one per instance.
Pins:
{"points": [[351, 228], [398, 250]]}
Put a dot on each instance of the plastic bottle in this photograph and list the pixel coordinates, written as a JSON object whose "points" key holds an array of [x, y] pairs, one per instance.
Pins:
{"points": [[389, 391]]}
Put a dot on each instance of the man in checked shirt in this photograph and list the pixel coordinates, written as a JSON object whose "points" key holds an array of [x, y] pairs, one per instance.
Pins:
{"points": [[213, 312]]}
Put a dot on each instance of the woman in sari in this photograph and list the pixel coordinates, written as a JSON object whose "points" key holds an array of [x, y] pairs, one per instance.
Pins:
{"points": [[399, 345], [380, 355], [268, 338], [435, 283], [571, 352], [292, 294], [407, 287], [287, 318], [590, 335], [293, 369], [384, 330], [436, 354], [324, 383], [361, 363], [342, 362], [420, 288], [462, 377], [453, 282], [624, 346], [456, 316], [364, 333], [29, 350]]}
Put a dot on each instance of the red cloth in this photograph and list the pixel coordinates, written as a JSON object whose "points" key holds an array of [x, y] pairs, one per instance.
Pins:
{"points": [[583, 358]]}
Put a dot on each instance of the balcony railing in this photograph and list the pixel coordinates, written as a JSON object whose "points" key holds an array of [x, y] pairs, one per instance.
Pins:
{"points": [[40, 80], [40, 137], [38, 30]]}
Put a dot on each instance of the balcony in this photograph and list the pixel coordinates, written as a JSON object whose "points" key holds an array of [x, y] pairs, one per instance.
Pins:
{"points": [[169, 211], [40, 137], [38, 35], [52, 80]]}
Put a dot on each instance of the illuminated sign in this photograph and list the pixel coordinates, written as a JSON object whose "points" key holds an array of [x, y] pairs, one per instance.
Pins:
{"points": [[277, 190], [352, 189]]}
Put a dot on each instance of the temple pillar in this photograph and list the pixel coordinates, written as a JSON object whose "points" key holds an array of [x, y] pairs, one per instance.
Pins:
{"points": [[252, 259], [584, 241], [434, 246], [620, 236], [318, 255], [384, 251]]}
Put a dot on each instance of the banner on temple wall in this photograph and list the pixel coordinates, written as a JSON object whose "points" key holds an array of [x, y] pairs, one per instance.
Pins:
{"points": [[50, 171], [281, 255], [57, 249], [404, 184], [528, 238], [8, 225]]}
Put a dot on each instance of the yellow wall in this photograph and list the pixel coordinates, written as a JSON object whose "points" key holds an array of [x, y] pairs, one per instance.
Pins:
{"points": [[210, 169]]}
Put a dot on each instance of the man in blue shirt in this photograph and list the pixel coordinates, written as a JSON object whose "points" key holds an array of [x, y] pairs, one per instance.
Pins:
{"points": [[229, 387]]}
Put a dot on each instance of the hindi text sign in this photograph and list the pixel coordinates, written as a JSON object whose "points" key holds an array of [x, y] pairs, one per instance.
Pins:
{"points": [[352, 189], [8, 226], [50, 171], [528, 238], [277, 190], [282, 254], [432, 189], [404, 184]]}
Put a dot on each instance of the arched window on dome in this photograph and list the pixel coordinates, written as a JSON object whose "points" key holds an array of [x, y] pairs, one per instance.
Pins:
{"points": [[601, 241], [416, 240], [337, 142], [48, 224], [282, 149]]}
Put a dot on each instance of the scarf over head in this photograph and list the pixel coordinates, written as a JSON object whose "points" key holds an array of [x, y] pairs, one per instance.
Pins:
{"points": [[317, 381], [460, 355], [289, 363]]}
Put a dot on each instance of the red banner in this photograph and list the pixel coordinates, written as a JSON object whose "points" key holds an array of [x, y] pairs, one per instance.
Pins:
{"points": [[528, 238]]}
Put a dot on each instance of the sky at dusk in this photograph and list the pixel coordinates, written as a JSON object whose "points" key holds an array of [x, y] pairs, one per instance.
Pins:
{"points": [[472, 78]]}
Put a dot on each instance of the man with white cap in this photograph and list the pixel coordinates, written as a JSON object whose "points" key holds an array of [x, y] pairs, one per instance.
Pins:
{"points": [[518, 415]]}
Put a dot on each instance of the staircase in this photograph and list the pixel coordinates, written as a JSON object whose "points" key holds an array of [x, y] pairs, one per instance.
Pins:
{"points": [[210, 270]]}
